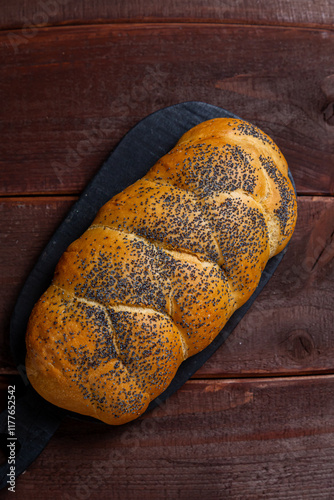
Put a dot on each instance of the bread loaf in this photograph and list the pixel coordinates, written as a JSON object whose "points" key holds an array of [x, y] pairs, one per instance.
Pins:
{"points": [[159, 272]]}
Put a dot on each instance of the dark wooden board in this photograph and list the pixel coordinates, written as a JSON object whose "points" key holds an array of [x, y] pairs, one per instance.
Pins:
{"points": [[69, 94], [267, 438], [23, 13], [288, 330]]}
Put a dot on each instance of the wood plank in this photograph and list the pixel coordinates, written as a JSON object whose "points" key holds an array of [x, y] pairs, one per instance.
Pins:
{"points": [[69, 94], [289, 328], [18, 13], [287, 331], [270, 439]]}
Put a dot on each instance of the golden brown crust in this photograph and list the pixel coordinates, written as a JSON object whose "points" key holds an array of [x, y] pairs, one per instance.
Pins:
{"points": [[160, 271], [72, 360]]}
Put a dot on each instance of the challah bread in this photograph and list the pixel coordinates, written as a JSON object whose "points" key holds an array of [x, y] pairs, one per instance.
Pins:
{"points": [[159, 272]]}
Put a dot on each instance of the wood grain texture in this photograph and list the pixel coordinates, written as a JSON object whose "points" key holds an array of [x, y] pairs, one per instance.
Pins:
{"points": [[21, 13], [69, 94], [289, 328], [268, 439]]}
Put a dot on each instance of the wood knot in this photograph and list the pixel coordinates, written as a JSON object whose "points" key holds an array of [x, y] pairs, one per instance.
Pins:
{"points": [[327, 87], [300, 345]]}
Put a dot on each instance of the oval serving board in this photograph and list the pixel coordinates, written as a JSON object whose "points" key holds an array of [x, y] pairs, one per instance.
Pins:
{"points": [[136, 153]]}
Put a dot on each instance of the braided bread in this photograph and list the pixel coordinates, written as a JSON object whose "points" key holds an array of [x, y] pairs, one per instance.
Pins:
{"points": [[159, 272]]}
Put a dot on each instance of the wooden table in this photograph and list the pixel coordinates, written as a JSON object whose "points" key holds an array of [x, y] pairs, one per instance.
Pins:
{"points": [[257, 421]]}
